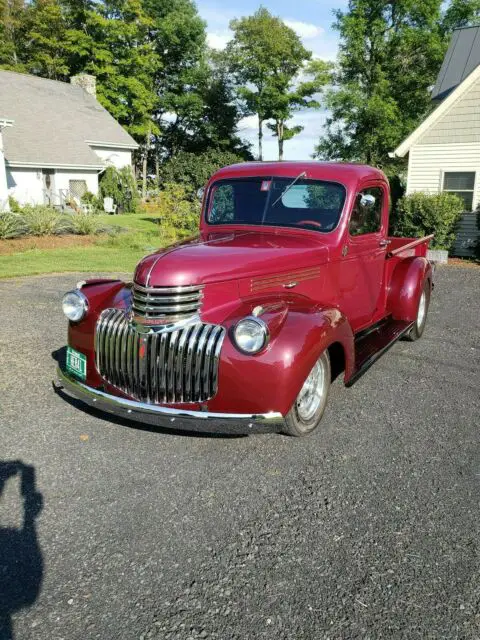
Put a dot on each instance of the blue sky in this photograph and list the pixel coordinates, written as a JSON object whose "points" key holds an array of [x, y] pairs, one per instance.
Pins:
{"points": [[312, 20]]}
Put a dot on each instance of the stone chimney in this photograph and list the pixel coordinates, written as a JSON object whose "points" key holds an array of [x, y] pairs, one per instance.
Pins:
{"points": [[87, 82]]}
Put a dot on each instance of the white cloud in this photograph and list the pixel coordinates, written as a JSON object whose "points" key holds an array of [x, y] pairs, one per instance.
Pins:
{"points": [[218, 40], [305, 30]]}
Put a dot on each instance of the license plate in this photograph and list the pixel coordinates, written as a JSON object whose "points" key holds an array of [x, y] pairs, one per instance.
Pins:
{"points": [[76, 363]]}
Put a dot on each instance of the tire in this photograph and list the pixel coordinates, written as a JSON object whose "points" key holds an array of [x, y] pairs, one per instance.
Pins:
{"points": [[309, 406], [417, 330]]}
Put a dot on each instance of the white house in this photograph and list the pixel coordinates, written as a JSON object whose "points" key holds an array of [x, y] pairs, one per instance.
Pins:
{"points": [[60, 141], [444, 151]]}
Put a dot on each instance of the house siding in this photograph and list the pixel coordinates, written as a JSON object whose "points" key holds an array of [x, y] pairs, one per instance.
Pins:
{"points": [[118, 158], [27, 187], [427, 164], [460, 124]]}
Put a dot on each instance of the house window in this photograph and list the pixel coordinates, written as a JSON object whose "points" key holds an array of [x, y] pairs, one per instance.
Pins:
{"points": [[78, 188], [462, 184]]}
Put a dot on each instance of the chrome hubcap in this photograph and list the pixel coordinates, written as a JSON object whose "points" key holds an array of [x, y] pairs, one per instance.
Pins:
{"points": [[312, 394], [422, 308]]}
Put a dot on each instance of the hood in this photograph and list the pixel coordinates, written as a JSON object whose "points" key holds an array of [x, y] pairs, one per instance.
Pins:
{"points": [[223, 257]]}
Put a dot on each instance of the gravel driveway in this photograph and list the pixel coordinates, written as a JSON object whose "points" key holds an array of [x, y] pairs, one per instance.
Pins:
{"points": [[368, 529]]}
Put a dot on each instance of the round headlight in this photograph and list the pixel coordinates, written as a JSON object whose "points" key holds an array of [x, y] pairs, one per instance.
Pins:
{"points": [[251, 335], [74, 305]]}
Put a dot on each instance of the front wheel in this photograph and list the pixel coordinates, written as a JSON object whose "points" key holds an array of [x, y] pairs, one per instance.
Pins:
{"points": [[417, 330], [307, 411]]}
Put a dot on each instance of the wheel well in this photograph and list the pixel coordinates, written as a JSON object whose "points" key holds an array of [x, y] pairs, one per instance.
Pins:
{"points": [[337, 359]]}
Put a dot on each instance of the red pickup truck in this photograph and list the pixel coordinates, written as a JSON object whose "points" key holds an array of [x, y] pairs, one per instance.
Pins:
{"points": [[292, 280]]}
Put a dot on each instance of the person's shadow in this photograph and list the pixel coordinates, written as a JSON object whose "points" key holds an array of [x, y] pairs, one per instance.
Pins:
{"points": [[21, 565]]}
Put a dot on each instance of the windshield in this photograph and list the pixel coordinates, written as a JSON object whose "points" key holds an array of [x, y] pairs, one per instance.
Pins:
{"points": [[284, 202]]}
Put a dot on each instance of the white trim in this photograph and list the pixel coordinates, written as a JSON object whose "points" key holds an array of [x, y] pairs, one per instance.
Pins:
{"points": [[113, 145], [402, 149], [50, 165], [5, 122]]}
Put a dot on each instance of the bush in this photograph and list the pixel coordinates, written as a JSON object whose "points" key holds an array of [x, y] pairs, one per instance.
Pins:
{"points": [[15, 206], [94, 201], [420, 214], [120, 185], [42, 220], [194, 169], [84, 224], [178, 216], [12, 225]]}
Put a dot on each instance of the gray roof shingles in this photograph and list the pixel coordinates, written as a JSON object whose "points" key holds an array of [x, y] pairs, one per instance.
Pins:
{"points": [[463, 56], [52, 121]]}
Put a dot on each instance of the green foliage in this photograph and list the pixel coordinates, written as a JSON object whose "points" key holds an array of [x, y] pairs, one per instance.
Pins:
{"points": [[420, 214], [119, 184], [193, 170], [12, 34], [12, 225], [265, 56], [178, 215], [14, 205], [83, 224], [390, 54], [42, 220]]}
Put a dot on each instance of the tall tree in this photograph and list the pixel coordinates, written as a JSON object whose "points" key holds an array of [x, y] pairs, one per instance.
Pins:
{"points": [[45, 53], [12, 34], [302, 95], [266, 55], [390, 54]]}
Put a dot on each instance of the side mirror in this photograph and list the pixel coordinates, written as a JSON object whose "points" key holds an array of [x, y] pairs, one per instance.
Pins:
{"points": [[367, 201], [200, 193]]}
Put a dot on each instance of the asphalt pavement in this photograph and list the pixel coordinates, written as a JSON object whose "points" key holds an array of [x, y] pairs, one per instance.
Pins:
{"points": [[367, 529]]}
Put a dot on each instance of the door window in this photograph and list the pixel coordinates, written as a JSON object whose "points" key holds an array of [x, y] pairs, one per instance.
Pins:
{"points": [[367, 212]]}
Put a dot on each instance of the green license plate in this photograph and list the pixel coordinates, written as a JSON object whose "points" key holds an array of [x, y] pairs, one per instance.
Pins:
{"points": [[76, 363]]}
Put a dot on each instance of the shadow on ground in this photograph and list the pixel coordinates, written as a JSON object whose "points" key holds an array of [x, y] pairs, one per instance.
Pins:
{"points": [[21, 564]]}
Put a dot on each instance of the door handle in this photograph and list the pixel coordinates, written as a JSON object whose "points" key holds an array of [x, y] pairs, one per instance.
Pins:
{"points": [[384, 243]]}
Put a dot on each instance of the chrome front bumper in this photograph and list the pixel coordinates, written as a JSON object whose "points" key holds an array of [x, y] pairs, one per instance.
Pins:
{"points": [[234, 423]]}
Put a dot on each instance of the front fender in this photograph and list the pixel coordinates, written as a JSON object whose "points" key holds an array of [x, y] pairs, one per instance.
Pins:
{"points": [[406, 286], [271, 380]]}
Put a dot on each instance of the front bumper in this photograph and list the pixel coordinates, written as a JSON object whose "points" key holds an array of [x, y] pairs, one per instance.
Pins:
{"points": [[159, 416]]}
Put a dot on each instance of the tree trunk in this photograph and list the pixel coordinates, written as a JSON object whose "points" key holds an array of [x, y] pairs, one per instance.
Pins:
{"points": [[157, 170], [145, 165], [260, 138], [280, 140]]}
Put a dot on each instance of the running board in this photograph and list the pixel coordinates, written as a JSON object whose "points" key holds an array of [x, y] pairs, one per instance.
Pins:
{"points": [[371, 345]]}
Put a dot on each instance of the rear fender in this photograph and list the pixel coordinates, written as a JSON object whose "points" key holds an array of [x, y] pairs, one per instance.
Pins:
{"points": [[406, 286]]}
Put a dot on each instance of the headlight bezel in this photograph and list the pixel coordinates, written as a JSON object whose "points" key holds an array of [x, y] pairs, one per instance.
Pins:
{"points": [[78, 294], [264, 332]]}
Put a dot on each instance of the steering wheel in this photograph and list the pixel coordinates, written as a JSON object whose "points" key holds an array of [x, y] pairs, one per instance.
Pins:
{"points": [[312, 222]]}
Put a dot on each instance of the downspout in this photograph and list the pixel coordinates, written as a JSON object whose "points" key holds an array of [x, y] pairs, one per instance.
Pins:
{"points": [[4, 205]]}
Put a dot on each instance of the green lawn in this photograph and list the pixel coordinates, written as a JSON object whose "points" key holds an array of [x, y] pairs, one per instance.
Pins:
{"points": [[119, 252]]}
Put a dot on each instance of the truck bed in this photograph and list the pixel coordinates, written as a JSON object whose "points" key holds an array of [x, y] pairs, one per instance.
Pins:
{"points": [[406, 247]]}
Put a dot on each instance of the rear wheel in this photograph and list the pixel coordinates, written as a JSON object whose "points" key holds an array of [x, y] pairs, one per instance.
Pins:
{"points": [[421, 320], [307, 411]]}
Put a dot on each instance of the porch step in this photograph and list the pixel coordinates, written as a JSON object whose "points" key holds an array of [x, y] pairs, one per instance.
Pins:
{"points": [[372, 344]]}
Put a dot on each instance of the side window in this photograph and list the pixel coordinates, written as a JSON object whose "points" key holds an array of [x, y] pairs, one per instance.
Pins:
{"points": [[222, 207], [367, 213]]}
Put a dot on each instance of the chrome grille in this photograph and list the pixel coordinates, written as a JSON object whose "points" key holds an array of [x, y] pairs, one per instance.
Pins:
{"points": [[162, 366], [166, 304]]}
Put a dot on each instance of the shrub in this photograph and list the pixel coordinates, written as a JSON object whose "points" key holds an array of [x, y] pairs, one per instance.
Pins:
{"points": [[178, 215], [194, 169], [12, 225], [84, 224], [94, 201], [42, 220], [120, 185], [15, 206], [420, 214]]}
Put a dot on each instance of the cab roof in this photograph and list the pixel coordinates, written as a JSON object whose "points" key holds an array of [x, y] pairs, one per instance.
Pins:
{"points": [[334, 171]]}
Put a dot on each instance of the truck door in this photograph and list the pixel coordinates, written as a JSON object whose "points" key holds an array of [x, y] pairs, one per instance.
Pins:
{"points": [[364, 257]]}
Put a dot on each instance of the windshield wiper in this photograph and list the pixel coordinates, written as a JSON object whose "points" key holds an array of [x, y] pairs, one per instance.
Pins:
{"points": [[289, 186]]}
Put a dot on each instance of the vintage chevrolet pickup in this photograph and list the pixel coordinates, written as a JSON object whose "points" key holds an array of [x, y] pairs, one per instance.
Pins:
{"points": [[292, 281]]}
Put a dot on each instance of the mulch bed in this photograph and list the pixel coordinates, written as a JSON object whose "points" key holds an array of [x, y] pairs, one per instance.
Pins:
{"points": [[19, 245]]}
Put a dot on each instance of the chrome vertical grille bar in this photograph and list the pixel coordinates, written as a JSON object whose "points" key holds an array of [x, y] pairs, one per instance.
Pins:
{"points": [[158, 367]]}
